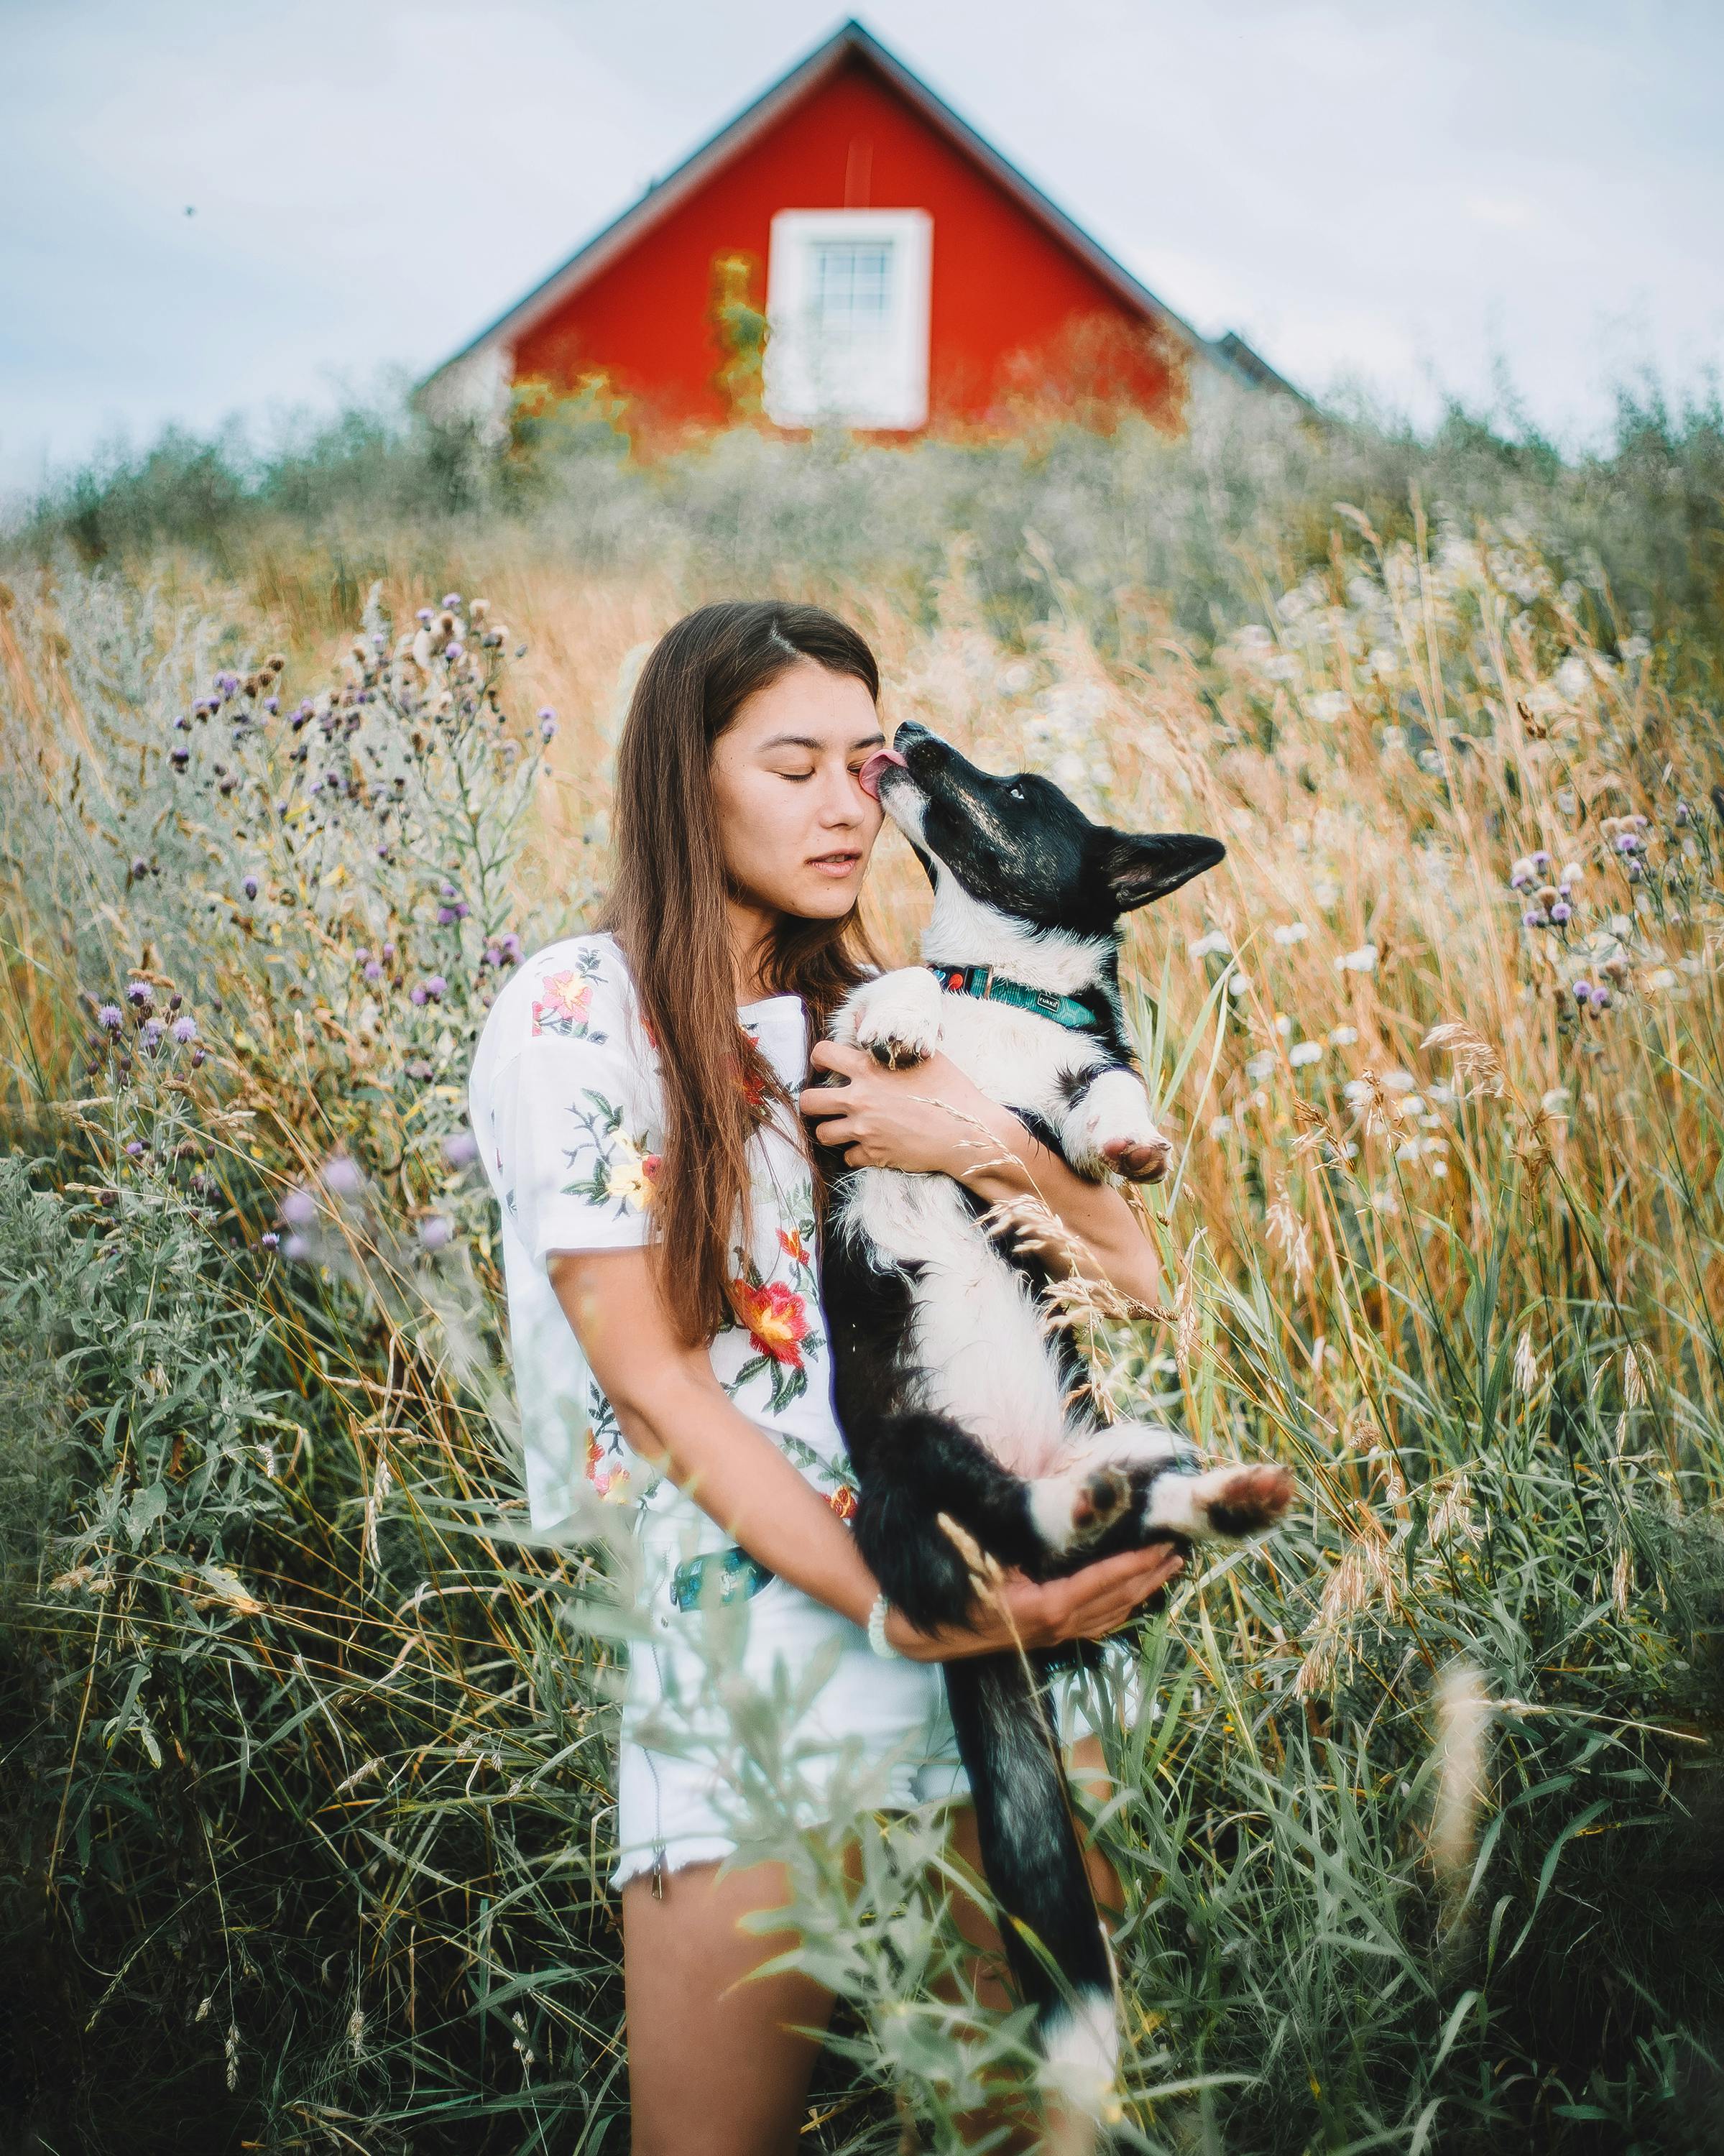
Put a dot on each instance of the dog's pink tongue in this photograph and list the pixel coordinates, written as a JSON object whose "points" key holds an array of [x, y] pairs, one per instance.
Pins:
{"points": [[868, 777]]}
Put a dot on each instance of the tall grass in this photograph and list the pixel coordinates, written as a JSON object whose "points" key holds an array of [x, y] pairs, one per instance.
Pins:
{"points": [[305, 1744]]}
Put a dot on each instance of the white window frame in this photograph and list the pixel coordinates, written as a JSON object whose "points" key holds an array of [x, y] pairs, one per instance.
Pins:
{"points": [[893, 392]]}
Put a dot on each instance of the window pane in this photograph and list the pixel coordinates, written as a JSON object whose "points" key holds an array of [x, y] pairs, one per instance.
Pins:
{"points": [[852, 289]]}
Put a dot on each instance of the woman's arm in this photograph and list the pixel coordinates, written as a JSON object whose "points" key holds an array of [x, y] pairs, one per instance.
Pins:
{"points": [[673, 1411], [931, 1119]]}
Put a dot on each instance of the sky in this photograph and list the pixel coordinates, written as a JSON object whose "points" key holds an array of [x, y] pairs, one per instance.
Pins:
{"points": [[260, 207]]}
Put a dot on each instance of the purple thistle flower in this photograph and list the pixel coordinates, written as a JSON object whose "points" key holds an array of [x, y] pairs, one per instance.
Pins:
{"points": [[340, 1174], [185, 1029], [1535, 917], [1521, 880], [451, 598], [299, 1209], [373, 971], [268, 1240], [296, 1246], [150, 1036], [250, 886], [417, 994], [435, 1231], [460, 1148], [1683, 816], [436, 987], [388, 954], [511, 947], [1600, 998], [1562, 911], [547, 729], [139, 869], [180, 758], [385, 853], [111, 1018], [1541, 861], [199, 1056], [455, 650], [135, 1150], [445, 915], [1627, 842], [1582, 991]]}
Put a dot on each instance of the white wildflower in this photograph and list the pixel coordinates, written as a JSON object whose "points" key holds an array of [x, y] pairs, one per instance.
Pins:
{"points": [[1306, 1052], [1291, 932], [1463, 1710], [1362, 961]]}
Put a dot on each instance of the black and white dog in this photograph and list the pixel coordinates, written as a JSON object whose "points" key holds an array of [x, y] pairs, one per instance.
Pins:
{"points": [[954, 1394]]}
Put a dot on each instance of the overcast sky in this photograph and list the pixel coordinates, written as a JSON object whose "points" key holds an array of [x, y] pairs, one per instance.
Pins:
{"points": [[1403, 194]]}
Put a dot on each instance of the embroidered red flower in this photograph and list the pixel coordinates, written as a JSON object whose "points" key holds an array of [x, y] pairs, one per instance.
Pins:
{"points": [[843, 1500], [752, 1076], [777, 1318], [791, 1243]]}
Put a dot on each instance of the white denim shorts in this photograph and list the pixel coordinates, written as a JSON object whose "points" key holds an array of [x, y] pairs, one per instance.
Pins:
{"points": [[740, 1716]]}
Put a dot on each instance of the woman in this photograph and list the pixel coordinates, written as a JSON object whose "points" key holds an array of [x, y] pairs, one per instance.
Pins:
{"points": [[634, 1093]]}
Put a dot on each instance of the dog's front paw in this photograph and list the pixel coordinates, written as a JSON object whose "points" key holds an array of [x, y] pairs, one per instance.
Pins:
{"points": [[1111, 1130], [896, 1018]]}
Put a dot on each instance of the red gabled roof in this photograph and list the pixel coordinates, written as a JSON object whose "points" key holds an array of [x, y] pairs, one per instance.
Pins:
{"points": [[850, 42]]}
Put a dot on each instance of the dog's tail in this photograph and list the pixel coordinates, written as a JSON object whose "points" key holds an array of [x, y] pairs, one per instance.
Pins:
{"points": [[1054, 1939]]}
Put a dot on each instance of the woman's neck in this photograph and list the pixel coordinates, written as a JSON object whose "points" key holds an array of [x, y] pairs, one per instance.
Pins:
{"points": [[753, 929]]}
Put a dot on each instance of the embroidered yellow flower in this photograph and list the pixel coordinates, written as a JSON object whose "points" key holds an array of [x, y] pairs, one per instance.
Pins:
{"points": [[629, 1173]]}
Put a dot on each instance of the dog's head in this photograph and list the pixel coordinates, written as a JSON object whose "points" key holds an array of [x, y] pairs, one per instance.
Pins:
{"points": [[1018, 846]]}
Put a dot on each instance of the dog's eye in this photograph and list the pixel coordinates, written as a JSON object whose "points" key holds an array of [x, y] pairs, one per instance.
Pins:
{"points": [[1016, 792]]}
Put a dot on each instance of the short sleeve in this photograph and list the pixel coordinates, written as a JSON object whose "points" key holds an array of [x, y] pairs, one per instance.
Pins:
{"points": [[574, 1132]]}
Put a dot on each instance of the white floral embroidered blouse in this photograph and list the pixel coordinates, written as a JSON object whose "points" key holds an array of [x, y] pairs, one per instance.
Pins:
{"points": [[566, 1111]]}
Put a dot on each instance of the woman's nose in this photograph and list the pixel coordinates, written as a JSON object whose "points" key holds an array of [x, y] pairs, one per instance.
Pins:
{"points": [[843, 802]]}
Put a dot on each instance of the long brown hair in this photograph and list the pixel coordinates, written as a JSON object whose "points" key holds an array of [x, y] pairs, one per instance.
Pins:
{"points": [[666, 908]]}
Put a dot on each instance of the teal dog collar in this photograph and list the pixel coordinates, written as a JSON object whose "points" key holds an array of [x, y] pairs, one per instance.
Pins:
{"points": [[1080, 1014]]}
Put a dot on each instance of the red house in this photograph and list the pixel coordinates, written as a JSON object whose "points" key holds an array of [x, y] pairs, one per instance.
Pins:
{"points": [[911, 279]]}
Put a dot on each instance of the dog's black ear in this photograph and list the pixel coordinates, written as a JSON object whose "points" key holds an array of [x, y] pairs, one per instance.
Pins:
{"points": [[1140, 867]]}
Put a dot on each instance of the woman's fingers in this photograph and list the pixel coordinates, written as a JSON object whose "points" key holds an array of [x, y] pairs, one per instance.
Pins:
{"points": [[832, 1056], [1109, 1594]]}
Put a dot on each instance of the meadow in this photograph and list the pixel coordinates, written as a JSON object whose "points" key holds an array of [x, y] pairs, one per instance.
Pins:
{"points": [[304, 1741]]}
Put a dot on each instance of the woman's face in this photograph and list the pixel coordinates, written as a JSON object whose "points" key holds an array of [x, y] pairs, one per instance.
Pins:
{"points": [[796, 827]]}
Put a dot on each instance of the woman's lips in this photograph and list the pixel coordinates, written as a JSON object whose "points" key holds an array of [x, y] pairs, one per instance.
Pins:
{"points": [[868, 777], [835, 865]]}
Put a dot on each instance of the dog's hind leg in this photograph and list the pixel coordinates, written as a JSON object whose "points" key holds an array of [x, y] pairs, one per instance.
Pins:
{"points": [[914, 1466]]}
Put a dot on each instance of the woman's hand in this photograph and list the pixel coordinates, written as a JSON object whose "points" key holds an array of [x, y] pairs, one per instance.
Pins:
{"points": [[1088, 1605], [928, 1119]]}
